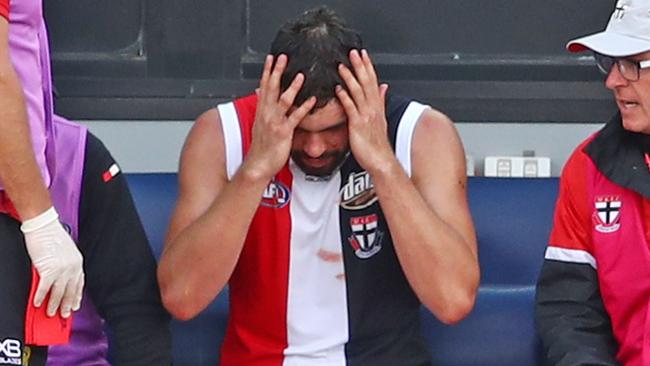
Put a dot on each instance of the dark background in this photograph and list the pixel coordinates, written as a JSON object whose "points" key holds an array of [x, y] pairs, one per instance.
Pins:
{"points": [[477, 60]]}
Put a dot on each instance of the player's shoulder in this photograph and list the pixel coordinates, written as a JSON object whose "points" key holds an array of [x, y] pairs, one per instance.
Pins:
{"points": [[206, 129]]}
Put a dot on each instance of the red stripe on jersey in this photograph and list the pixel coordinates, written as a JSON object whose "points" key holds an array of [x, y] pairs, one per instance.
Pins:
{"points": [[246, 108], [257, 328], [572, 221], [4, 9]]}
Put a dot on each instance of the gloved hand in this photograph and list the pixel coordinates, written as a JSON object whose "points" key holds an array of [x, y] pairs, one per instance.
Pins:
{"points": [[58, 262]]}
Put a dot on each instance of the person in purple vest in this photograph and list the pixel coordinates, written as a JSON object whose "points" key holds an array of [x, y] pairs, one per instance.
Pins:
{"points": [[24, 197], [23, 174], [592, 294], [121, 313]]}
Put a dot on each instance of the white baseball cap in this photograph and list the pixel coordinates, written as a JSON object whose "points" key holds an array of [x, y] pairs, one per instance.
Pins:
{"points": [[627, 33]]}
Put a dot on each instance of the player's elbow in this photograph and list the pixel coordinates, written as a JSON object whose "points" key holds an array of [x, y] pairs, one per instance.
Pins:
{"points": [[458, 309], [455, 306], [177, 305], [174, 299]]}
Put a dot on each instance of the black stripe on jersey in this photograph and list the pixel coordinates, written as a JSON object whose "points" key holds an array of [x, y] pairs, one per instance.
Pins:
{"points": [[383, 311]]}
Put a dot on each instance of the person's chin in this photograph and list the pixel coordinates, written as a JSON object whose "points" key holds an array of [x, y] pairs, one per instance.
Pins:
{"points": [[316, 169], [636, 123]]}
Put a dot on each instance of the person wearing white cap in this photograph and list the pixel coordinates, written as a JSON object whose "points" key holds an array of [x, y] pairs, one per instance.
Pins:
{"points": [[592, 301]]}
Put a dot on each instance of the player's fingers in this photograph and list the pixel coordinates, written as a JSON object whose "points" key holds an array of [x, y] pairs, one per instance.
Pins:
{"points": [[273, 86], [369, 67], [370, 86], [301, 112], [360, 72], [353, 86], [383, 90], [266, 74], [347, 103], [289, 96]]}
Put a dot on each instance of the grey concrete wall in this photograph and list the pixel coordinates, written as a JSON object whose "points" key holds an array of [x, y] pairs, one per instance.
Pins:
{"points": [[154, 146], [143, 146], [555, 141]]}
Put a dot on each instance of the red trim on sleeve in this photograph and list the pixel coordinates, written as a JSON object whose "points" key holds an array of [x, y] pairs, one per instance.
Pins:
{"points": [[252, 336], [246, 108], [4, 9]]}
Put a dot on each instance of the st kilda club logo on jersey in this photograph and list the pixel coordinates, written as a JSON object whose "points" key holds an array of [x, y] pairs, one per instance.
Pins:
{"points": [[366, 238], [358, 192], [276, 195], [607, 214]]}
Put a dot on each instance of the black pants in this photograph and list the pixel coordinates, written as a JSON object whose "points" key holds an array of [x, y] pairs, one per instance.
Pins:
{"points": [[15, 282]]}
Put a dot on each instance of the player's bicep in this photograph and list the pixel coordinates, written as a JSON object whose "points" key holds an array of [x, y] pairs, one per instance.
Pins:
{"points": [[202, 172], [439, 172]]}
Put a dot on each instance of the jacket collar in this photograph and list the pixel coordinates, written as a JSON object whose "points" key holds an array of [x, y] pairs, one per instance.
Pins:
{"points": [[619, 156]]}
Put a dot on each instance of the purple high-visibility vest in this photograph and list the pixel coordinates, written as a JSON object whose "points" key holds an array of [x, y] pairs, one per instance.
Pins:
{"points": [[30, 56], [66, 151], [59, 148]]}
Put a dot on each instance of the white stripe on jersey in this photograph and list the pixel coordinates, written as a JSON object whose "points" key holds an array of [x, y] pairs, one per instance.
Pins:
{"points": [[405, 134], [570, 255], [232, 137], [317, 311]]}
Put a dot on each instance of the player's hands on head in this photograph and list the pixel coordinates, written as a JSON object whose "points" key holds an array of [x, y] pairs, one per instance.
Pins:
{"points": [[364, 103], [275, 122]]}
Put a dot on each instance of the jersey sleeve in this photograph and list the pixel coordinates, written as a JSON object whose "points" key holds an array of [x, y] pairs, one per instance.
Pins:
{"points": [[4, 9], [119, 264]]}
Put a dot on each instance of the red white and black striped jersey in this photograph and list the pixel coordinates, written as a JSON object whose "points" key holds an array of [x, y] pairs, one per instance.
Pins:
{"points": [[318, 281]]}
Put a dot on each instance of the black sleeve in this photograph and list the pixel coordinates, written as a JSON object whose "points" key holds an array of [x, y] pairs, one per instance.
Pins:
{"points": [[119, 265], [571, 318]]}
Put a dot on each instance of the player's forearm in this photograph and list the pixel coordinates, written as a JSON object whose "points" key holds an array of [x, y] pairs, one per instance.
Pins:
{"points": [[437, 261], [19, 171], [198, 261]]}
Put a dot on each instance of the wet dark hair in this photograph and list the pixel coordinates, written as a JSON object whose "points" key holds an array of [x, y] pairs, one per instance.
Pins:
{"points": [[316, 42]]}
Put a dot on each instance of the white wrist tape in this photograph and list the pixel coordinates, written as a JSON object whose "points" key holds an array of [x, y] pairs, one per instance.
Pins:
{"points": [[42, 220]]}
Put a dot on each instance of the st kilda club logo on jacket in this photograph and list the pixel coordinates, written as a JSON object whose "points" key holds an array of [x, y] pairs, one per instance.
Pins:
{"points": [[276, 195], [607, 214], [358, 192], [366, 238]]}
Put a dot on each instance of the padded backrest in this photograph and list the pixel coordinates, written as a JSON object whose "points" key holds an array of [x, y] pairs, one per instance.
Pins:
{"points": [[512, 219], [500, 331], [154, 196], [195, 342]]}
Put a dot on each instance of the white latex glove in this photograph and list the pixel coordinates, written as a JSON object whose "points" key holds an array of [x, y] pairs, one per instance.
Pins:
{"points": [[57, 261]]}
